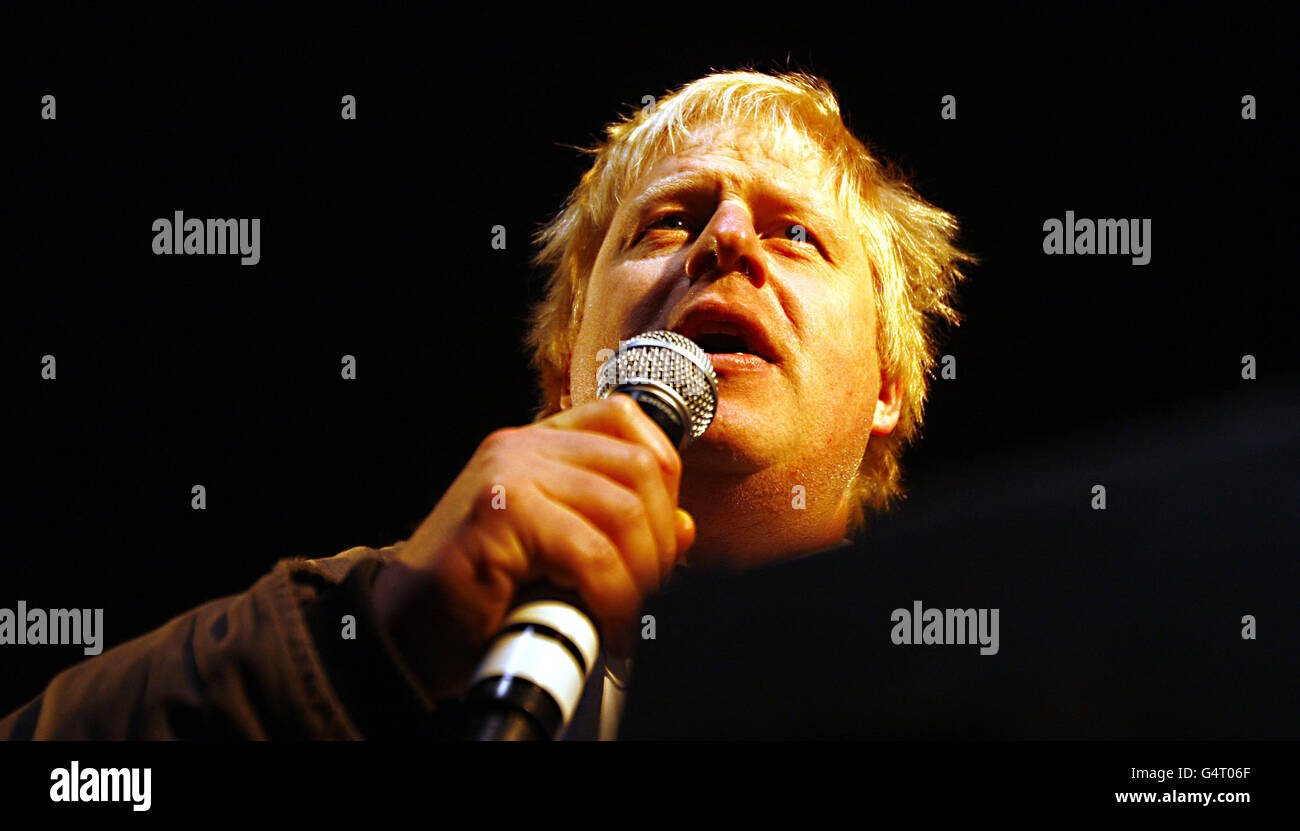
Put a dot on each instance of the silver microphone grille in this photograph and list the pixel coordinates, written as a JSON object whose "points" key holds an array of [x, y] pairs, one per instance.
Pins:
{"points": [[666, 359]]}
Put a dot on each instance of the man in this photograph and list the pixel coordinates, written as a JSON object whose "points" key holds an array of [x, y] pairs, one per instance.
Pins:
{"points": [[738, 211]]}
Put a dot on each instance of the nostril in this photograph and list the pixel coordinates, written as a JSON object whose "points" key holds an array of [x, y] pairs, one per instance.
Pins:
{"points": [[705, 262]]}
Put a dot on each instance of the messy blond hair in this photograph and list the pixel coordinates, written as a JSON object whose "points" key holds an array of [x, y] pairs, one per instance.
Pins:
{"points": [[909, 242]]}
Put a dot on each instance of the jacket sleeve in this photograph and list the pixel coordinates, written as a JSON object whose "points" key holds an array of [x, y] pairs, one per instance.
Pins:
{"points": [[298, 656]]}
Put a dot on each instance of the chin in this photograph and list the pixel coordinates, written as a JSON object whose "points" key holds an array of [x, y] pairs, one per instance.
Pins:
{"points": [[730, 445]]}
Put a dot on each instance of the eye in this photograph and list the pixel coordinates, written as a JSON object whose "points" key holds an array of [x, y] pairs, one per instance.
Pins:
{"points": [[669, 222], [798, 233], [663, 229], [805, 242]]}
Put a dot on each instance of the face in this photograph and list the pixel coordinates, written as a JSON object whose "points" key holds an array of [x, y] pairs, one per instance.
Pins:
{"points": [[742, 247]]}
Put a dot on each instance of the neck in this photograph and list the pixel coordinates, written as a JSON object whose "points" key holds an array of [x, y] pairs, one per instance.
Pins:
{"points": [[746, 521]]}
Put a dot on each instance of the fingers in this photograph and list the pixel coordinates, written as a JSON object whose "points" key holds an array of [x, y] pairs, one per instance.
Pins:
{"points": [[621, 417], [596, 462], [643, 534], [574, 551], [585, 500]]}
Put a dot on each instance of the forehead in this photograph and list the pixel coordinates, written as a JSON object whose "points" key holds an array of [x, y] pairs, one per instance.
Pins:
{"points": [[779, 163]]}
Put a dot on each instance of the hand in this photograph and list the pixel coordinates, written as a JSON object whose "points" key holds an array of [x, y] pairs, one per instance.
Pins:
{"points": [[584, 500]]}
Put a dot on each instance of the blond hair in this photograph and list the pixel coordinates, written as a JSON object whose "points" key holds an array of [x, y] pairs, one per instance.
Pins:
{"points": [[909, 242]]}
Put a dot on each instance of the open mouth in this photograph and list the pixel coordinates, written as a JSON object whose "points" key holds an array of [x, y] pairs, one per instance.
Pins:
{"points": [[719, 343], [734, 340], [731, 353]]}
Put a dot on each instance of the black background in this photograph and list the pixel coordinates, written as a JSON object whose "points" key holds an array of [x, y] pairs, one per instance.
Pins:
{"points": [[183, 370]]}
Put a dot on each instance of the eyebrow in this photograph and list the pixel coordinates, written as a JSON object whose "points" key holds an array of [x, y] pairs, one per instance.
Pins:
{"points": [[664, 189], [794, 201]]}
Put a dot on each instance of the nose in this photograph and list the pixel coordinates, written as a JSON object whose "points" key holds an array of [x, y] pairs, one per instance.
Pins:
{"points": [[728, 243]]}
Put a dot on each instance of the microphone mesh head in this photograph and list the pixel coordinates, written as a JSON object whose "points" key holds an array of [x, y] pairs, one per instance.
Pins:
{"points": [[671, 360]]}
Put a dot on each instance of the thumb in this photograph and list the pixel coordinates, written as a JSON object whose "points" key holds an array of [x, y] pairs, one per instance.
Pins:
{"points": [[684, 527]]}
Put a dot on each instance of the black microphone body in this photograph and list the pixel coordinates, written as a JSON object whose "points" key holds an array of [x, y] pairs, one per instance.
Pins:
{"points": [[532, 676]]}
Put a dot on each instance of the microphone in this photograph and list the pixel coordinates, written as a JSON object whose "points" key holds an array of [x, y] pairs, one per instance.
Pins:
{"points": [[529, 682]]}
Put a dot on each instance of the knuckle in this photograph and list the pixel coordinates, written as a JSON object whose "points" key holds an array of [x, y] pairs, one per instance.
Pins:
{"points": [[624, 406], [601, 555], [628, 509], [675, 465], [502, 482], [643, 463], [505, 450], [499, 441]]}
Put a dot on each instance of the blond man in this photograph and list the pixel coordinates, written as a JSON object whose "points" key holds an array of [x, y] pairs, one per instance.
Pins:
{"points": [[738, 211]]}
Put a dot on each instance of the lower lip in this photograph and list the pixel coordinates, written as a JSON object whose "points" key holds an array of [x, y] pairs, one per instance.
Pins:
{"points": [[736, 362]]}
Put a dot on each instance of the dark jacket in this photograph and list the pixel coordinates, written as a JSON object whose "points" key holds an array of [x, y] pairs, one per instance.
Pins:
{"points": [[270, 663]]}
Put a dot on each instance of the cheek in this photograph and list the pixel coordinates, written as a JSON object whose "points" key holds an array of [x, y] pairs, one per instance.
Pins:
{"points": [[855, 373], [854, 391], [592, 347], [612, 296], [605, 312]]}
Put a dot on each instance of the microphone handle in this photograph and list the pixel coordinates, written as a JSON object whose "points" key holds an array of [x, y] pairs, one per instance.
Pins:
{"points": [[532, 677]]}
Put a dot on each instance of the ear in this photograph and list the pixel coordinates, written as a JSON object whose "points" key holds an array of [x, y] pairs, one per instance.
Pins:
{"points": [[889, 405]]}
